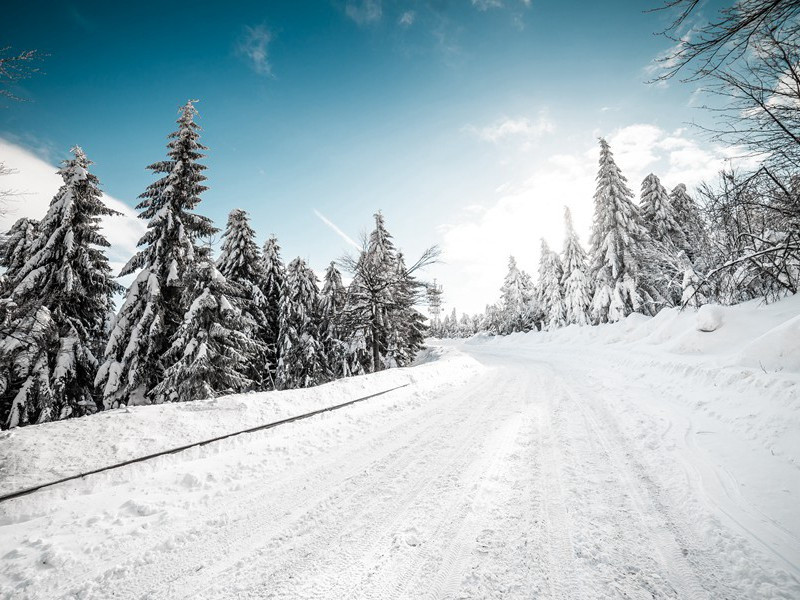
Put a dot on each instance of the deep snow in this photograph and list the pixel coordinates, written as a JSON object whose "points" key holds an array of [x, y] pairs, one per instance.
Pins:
{"points": [[645, 459]]}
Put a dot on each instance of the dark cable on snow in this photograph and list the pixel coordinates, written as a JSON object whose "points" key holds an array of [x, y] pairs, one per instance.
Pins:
{"points": [[36, 488]]}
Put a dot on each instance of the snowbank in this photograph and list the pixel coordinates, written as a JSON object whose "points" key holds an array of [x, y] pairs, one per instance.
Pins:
{"points": [[737, 364], [751, 334], [40, 453]]}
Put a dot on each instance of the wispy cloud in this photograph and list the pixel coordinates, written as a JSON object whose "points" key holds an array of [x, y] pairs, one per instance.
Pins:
{"points": [[364, 12], [487, 4], [522, 128], [336, 229], [407, 18], [253, 47]]}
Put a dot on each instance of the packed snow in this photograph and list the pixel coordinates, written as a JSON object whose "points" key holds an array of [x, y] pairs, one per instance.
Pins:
{"points": [[643, 459]]}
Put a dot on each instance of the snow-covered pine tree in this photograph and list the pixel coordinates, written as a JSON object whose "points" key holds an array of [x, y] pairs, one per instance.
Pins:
{"points": [[515, 300], [665, 260], [550, 292], [690, 219], [370, 295], [155, 303], [15, 249], [240, 263], [406, 325], [331, 303], [658, 215], [61, 297], [616, 245], [274, 278], [574, 282], [213, 351], [302, 356]]}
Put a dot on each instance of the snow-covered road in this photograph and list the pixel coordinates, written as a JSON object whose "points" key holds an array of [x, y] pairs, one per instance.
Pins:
{"points": [[550, 474]]}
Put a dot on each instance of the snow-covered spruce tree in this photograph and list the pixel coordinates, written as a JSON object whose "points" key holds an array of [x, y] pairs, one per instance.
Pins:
{"points": [[515, 300], [406, 325], [241, 264], [302, 356], [575, 281], [274, 277], [213, 350], [617, 243], [377, 300], [551, 297], [665, 258], [155, 303], [690, 219], [15, 249], [658, 214], [58, 307], [331, 303]]}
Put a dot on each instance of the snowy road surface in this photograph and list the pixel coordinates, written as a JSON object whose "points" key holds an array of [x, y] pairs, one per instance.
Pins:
{"points": [[554, 473]]}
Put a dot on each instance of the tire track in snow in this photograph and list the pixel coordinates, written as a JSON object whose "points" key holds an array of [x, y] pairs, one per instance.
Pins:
{"points": [[174, 564], [326, 546], [680, 572]]}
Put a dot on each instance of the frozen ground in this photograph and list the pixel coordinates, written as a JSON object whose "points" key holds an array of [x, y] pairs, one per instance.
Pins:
{"points": [[641, 460]]}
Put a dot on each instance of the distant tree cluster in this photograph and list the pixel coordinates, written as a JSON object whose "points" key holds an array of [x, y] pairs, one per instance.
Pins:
{"points": [[190, 326], [665, 251]]}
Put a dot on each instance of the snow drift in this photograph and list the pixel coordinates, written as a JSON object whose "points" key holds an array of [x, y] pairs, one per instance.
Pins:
{"points": [[33, 455]]}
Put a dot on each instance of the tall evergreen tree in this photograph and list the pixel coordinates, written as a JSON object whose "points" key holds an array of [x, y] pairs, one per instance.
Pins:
{"points": [[658, 215], [302, 356], [616, 246], [552, 296], [274, 278], [61, 297], [406, 324], [155, 303], [575, 282], [515, 299], [213, 350], [241, 264], [331, 303], [688, 215], [371, 295]]}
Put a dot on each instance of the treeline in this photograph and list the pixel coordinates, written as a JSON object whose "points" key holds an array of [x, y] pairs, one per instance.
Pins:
{"points": [[190, 326], [740, 242]]}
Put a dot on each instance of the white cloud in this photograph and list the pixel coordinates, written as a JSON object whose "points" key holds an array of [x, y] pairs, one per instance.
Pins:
{"points": [[487, 4], [36, 182], [364, 12], [522, 128], [253, 46], [476, 246], [407, 18]]}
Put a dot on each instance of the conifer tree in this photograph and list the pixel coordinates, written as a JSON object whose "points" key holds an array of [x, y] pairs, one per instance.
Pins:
{"points": [[155, 303], [616, 246], [274, 277], [58, 306], [552, 297], [241, 264], [213, 350], [406, 325], [302, 356], [688, 215], [658, 215], [331, 303], [515, 299], [575, 282]]}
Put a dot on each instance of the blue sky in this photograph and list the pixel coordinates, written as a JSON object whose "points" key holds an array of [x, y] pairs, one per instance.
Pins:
{"points": [[469, 123]]}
